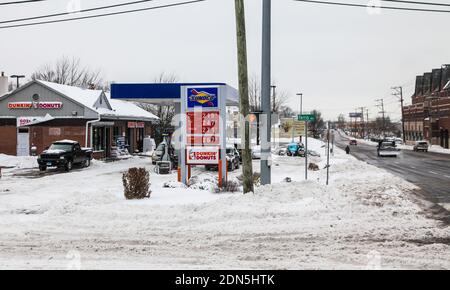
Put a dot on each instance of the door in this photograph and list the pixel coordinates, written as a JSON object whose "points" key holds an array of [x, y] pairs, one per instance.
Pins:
{"points": [[23, 142]]}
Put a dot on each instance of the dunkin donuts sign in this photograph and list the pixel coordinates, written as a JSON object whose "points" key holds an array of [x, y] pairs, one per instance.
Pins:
{"points": [[35, 105], [202, 155]]}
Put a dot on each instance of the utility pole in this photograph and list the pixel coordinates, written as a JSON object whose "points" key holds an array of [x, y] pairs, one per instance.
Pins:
{"points": [[363, 124], [266, 145], [367, 120], [381, 105], [244, 98], [399, 93]]}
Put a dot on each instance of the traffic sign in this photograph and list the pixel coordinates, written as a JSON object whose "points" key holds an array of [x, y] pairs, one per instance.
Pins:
{"points": [[308, 118], [299, 127]]}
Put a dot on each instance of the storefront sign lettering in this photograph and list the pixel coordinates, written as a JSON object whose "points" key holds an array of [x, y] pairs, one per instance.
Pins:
{"points": [[202, 155], [35, 105]]}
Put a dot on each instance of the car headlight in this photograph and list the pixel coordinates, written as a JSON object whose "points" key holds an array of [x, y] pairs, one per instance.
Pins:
{"points": [[62, 157]]}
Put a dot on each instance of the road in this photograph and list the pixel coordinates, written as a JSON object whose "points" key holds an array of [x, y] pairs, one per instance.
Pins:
{"points": [[429, 171]]}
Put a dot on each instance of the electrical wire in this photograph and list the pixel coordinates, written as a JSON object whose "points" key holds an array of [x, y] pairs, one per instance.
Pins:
{"points": [[417, 2], [69, 13], [373, 6], [19, 2], [102, 15]]}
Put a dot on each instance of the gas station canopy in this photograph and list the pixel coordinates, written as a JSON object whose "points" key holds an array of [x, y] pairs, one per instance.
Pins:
{"points": [[164, 93]]}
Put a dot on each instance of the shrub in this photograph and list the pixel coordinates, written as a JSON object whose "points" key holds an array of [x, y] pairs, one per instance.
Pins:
{"points": [[136, 183], [256, 178], [228, 186]]}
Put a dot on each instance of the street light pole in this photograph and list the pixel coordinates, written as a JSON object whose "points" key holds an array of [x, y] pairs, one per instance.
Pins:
{"points": [[265, 93], [301, 110], [301, 103]]}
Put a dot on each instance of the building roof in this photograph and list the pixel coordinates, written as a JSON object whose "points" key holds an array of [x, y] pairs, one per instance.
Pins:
{"points": [[83, 96], [126, 109], [119, 109]]}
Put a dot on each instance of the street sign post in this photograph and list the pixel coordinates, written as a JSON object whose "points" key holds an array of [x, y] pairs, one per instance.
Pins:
{"points": [[307, 117]]}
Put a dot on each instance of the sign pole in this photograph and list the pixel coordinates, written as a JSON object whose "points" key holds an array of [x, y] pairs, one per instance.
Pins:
{"points": [[265, 96], [328, 154], [306, 150]]}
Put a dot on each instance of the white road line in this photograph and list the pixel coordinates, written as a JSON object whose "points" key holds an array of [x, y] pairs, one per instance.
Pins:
{"points": [[432, 172]]}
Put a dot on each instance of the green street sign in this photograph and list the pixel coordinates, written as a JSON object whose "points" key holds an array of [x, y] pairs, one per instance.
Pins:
{"points": [[308, 118]]}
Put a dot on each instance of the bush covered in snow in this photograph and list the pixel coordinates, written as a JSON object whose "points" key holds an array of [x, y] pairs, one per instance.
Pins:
{"points": [[256, 178], [229, 186], [136, 183]]}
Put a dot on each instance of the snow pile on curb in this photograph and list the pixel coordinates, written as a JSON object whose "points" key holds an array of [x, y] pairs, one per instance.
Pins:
{"points": [[365, 212], [22, 162]]}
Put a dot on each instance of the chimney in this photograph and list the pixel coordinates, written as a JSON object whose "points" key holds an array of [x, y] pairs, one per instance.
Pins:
{"points": [[3, 84]]}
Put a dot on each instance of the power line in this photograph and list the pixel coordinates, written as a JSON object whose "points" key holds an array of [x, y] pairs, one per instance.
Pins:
{"points": [[102, 15], [20, 2], [417, 3], [373, 6], [69, 13]]}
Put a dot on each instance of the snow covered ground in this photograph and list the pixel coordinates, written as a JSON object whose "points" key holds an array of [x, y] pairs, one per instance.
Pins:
{"points": [[366, 218]]}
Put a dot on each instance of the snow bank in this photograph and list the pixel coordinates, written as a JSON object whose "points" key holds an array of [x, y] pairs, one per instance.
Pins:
{"points": [[364, 213], [19, 162]]}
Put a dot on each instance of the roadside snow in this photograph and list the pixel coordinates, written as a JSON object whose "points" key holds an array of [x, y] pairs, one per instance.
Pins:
{"points": [[364, 219], [19, 162]]}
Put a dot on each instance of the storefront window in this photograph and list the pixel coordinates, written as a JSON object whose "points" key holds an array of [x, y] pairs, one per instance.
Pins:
{"points": [[99, 138]]}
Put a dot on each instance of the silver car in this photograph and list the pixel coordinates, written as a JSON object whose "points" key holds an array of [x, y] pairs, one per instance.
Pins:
{"points": [[421, 146]]}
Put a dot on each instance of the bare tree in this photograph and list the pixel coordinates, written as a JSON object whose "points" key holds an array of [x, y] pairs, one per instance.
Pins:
{"points": [[165, 113], [341, 121], [254, 90], [318, 125], [69, 71]]}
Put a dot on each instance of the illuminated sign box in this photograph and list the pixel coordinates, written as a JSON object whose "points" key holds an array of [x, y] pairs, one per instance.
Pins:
{"points": [[202, 155]]}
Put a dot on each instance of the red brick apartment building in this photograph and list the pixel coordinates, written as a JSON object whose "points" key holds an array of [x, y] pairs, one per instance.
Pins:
{"points": [[428, 117]]}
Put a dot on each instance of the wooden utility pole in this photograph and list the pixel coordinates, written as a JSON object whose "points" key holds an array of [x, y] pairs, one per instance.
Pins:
{"points": [[243, 96]]}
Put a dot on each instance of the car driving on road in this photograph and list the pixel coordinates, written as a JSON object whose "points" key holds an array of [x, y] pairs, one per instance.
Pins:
{"points": [[421, 146], [353, 142], [65, 154], [387, 148]]}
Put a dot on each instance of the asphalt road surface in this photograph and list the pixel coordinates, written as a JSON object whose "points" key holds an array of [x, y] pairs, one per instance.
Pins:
{"points": [[429, 171]]}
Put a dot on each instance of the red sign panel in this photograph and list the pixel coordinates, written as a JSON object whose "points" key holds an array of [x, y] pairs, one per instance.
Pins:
{"points": [[136, 125], [203, 140], [206, 123]]}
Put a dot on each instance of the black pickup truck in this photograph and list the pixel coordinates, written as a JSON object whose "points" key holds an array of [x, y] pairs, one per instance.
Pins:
{"points": [[64, 154]]}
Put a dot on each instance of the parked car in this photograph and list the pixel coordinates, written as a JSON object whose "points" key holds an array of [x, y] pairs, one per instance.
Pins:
{"points": [[256, 152], [233, 160], [281, 151], [353, 142], [387, 148], [64, 154], [295, 149], [421, 146]]}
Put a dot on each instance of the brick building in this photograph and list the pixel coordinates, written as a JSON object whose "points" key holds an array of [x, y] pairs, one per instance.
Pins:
{"points": [[39, 113], [428, 117]]}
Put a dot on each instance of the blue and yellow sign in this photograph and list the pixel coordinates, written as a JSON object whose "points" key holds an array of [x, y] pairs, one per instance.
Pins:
{"points": [[203, 97]]}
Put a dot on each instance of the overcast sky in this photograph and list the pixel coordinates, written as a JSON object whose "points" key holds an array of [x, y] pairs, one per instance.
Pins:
{"points": [[339, 58]]}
